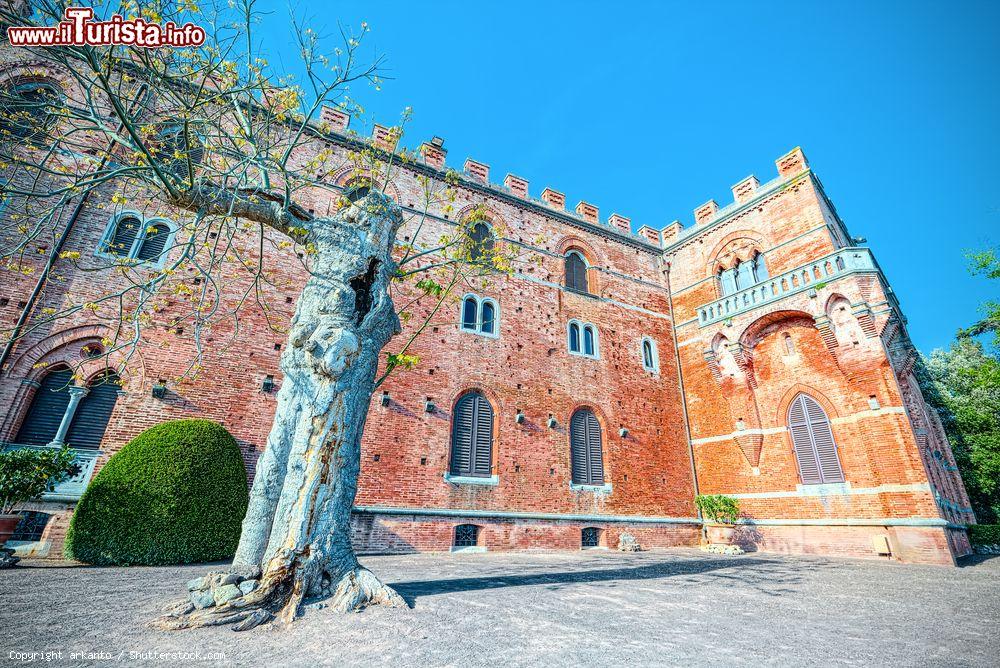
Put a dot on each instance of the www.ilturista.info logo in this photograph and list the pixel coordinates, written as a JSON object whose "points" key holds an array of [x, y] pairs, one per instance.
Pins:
{"points": [[79, 28]]}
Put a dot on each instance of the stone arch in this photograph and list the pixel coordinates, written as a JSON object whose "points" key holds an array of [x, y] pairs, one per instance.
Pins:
{"points": [[764, 325], [348, 177], [780, 416], [739, 245]]}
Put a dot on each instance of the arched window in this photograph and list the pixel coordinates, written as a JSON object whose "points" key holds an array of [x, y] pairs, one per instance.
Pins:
{"points": [[472, 437], [587, 459], [358, 191], [815, 449], [47, 408], [759, 268], [94, 412], [480, 315], [175, 147], [589, 341], [153, 243], [727, 281], [574, 337], [582, 339], [125, 230], [130, 236], [27, 110], [576, 272], [481, 242], [470, 313], [488, 317], [789, 344], [744, 275], [650, 357]]}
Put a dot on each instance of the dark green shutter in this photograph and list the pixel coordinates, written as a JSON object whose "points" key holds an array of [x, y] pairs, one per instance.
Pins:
{"points": [[472, 436], [586, 456], [94, 412], [126, 230], [152, 246], [47, 409]]}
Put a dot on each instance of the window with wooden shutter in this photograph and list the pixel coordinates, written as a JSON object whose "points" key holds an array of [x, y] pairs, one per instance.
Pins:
{"points": [[153, 243], [586, 457], [94, 412], [126, 230], [48, 406], [472, 437], [815, 449], [576, 272]]}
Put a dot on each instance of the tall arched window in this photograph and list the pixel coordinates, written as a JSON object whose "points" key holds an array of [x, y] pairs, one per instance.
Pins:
{"points": [[586, 456], [815, 449], [589, 341], [481, 242], [574, 337], [47, 408], [472, 437], [470, 313], [27, 110], [94, 412], [650, 357], [759, 268], [727, 281], [358, 191], [576, 272], [744, 275], [488, 318]]}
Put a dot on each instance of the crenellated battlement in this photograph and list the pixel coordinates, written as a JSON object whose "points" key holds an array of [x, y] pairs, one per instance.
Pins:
{"points": [[434, 155]]}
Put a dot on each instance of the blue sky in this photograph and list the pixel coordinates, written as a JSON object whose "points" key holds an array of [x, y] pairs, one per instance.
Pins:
{"points": [[649, 110]]}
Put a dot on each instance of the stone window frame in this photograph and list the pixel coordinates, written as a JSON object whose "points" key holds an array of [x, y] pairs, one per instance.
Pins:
{"points": [[583, 326], [654, 354], [140, 238], [480, 301]]}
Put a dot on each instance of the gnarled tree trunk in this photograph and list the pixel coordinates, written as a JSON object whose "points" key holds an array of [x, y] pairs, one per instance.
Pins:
{"points": [[296, 534]]}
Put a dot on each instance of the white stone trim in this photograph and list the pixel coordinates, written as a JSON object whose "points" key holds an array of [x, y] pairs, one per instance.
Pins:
{"points": [[836, 489]]}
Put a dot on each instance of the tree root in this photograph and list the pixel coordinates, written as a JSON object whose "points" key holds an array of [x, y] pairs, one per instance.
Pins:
{"points": [[360, 588], [280, 597]]}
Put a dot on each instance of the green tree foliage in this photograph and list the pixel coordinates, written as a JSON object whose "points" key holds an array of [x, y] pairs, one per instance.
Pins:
{"points": [[175, 494], [963, 384], [26, 474], [718, 508], [987, 263]]}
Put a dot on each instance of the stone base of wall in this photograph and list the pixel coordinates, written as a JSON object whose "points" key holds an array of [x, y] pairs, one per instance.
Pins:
{"points": [[914, 545], [402, 533]]}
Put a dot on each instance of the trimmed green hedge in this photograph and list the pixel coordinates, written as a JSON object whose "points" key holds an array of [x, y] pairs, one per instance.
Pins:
{"points": [[984, 534], [175, 494]]}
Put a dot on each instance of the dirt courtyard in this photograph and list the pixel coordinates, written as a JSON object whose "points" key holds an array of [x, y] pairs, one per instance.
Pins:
{"points": [[674, 607]]}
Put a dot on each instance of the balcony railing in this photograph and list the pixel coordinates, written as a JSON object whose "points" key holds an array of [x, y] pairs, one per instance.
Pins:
{"points": [[808, 276], [72, 488]]}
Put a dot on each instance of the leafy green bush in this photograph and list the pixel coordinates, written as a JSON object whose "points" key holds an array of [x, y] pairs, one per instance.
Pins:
{"points": [[27, 473], [718, 508], [984, 534], [175, 494]]}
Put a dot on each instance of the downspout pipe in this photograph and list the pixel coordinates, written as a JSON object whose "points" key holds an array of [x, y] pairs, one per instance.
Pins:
{"points": [[29, 306], [680, 383]]}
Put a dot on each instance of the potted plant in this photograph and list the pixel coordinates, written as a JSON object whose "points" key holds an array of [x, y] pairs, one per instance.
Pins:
{"points": [[26, 474], [722, 512]]}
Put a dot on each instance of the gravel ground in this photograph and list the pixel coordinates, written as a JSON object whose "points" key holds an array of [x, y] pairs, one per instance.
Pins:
{"points": [[676, 607]]}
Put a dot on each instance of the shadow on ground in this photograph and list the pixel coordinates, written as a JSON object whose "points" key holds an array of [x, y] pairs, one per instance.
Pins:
{"points": [[766, 576]]}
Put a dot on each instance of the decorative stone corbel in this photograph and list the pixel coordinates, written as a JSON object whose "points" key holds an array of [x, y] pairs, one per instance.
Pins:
{"points": [[865, 318], [825, 328]]}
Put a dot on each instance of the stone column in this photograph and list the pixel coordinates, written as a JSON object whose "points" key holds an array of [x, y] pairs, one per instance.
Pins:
{"points": [[76, 393]]}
